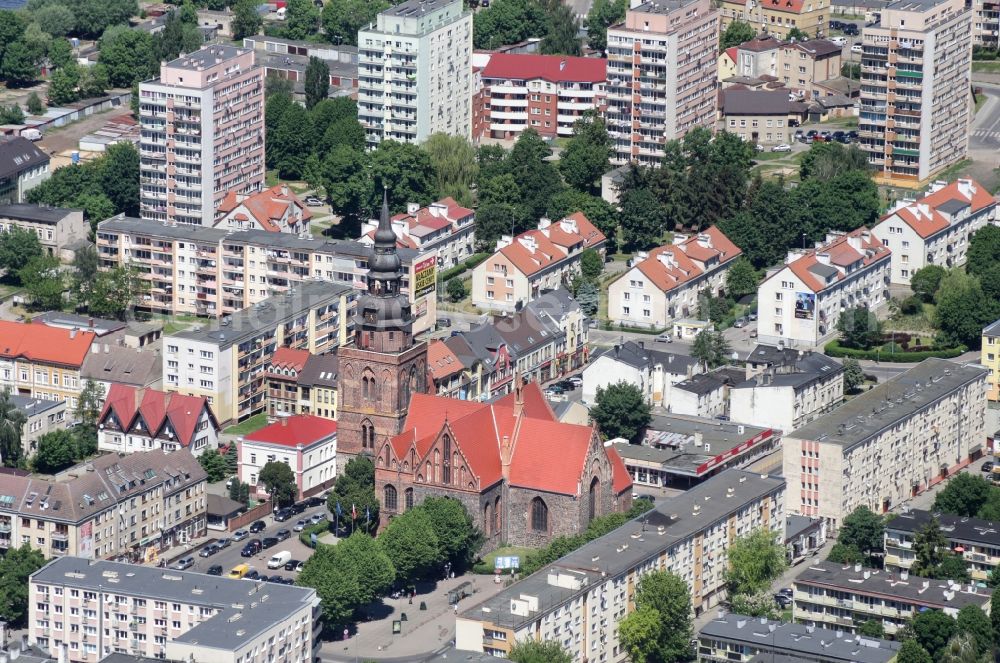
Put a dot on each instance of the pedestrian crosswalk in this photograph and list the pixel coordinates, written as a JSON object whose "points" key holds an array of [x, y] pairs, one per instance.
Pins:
{"points": [[985, 133]]}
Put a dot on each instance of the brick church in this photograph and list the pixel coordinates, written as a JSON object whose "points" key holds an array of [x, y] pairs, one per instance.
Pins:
{"points": [[524, 476]]}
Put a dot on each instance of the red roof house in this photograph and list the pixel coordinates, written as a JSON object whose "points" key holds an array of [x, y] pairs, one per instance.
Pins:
{"points": [[276, 209], [136, 419], [307, 443]]}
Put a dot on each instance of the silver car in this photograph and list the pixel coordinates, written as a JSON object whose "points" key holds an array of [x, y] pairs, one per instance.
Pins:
{"points": [[300, 525], [183, 564]]}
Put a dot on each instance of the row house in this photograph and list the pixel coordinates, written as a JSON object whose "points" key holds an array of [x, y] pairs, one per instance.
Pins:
{"points": [[800, 65], [976, 540], [226, 362], [59, 231], [276, 210], [641, 364], [800, 302], [133, 506], [778, 17], [215, 272], [888, 444], [40, 418], [83, 610], [299, 382], [444, 227], [936, 229], [548, 93], [664, 284], [456, 370], [135, 419], [534, 261], [579, 600]]}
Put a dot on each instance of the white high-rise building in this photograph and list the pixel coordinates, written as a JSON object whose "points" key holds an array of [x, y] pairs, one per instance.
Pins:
{"points": [[415, 71], [202, 134]]}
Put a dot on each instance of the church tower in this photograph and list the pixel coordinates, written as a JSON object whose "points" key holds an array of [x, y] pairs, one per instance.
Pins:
{"points": [[383, 367]]}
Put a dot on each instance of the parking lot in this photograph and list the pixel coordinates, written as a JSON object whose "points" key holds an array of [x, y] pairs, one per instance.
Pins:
{"points": [[230, 556]]}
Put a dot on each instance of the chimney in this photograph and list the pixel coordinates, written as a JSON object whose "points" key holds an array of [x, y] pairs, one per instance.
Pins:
{"points": [[72, 332], [506, 455], [823, 258], [284, 421], [562, 65], [518, 394], [412, 208], [544, 223], [284, 189]]}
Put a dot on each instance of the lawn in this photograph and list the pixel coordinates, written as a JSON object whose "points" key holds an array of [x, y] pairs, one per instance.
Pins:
{"points": [[247, 426], [509, 551], [770, 156], [922, 322], [986, 66]]}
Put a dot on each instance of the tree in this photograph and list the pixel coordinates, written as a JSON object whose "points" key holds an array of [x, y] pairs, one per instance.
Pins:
{"points": [[795, 34], [602, 15], [995, 615], [34, 104], [735, 34], [741, 279], [405, 171], [621, 410], [508, 22], [301, 20], [863, 531], [984, 250], [94, 81], [363, 557], [85, 264], [854, 375], [660, 629], [20, 65], [129, 55], [317, 83], [180, 34], [826, 161], [56, 451], [642, 219], [232, 459], [537, 178], [456, 289], [591, 264], [410, 542], [561, 37], [926, 281], [55, 19], [710, 348], [339, 592], [246, 21], [63, 85], [343, 18], [279, 482], [354, 490], [11, 114], [18, 247], [16, 566], [453, 159], [587, 155], [120, 177], [458, 537], [214, 465], [538, 651], [88, 409], [872, 628], [754, 561], [11, 422], [845, 554], [930, 547], [239, 491], [112, 293], [912, 652], [973, 621], [963, 309], [44, 283], [933, 630], [859, 328], [275, 107], [293, 142], [964, 495]]}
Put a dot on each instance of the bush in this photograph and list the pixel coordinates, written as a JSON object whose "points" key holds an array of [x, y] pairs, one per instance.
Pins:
{"points": [[834, 349], [912, 305], [318, 529], [471, 263]]}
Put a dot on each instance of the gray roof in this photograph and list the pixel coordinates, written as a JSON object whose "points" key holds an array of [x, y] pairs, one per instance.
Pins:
{"points": [[301, 62], [913, 5], [637, 355], [108, 360], [795, 525], [662, 6], [116, 657], [890, 402], [701, 383], [799, 640], [37, 213], [826, 272], [755, 102], [207, 57], [411, 8], [70, 320], [819, 47], [952, 206], [992, 329], [267, 314], [924, 592], [788, 367], [452, 655], [220, 505], [955, 528], [648, 536], [32, 406], [319, 371], [19, 154], [258, 604]]}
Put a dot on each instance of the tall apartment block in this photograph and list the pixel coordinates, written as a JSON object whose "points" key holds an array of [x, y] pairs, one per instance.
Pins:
{"points": [[202, 134], [415, 71], [916, 67], [661, 76]]}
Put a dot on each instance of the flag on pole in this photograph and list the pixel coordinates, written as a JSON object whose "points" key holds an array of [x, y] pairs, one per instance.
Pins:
{"points": [[368, 516], [354, 512], [339, 510]]}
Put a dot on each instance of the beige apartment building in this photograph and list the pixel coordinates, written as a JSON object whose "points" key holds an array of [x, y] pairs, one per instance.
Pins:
{"points": [[225, 362], [82, 610], [800, 65], [134, 506], [213, 272], [43, 362], [975, 539], [660, 76], [58, 230], [916, 69], [579, 600], [889, 444], [778, 17]]}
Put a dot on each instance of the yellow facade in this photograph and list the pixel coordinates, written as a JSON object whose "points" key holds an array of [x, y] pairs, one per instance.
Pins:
{"points": [[991, 360], [778, 18]]}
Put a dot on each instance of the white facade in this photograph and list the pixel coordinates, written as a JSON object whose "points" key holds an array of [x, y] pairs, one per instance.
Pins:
{"points": [[313, 464], [415, 71], [655, 376], [776, 402], [800, 302], [705, 398]]}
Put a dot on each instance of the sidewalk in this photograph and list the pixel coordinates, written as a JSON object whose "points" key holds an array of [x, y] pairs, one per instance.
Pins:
{"points": [[424, 632]]}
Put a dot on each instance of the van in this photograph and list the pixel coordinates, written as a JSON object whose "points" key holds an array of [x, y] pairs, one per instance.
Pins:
{"points": [[281, 13], [31, 134], [279, 560], [238, 571]]}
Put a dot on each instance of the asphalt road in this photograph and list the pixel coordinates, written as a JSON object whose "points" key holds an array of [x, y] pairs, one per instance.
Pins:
{"points": [[984, 135], [230, 556]]}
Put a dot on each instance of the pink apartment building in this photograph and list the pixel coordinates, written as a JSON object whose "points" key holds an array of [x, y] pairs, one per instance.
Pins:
{"points": [[202, 134], [662, 63]]}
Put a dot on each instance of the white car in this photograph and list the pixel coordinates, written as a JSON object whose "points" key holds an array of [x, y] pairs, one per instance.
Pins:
{"points": [[783, 147], [856, 48], [839, 41]]}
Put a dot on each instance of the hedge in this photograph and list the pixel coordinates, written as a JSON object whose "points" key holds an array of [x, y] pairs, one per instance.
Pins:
{"points": [[471, 263], [318, 529], [834, 349]]}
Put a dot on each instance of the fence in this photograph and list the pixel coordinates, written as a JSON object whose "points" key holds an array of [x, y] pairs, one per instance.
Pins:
{"points": [[256, 513]]}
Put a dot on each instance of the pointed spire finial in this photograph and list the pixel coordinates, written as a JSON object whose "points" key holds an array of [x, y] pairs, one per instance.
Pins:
{"points": [[384, 235]]}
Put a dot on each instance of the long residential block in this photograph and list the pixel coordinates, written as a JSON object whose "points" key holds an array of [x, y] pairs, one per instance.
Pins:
{"points": [[975, 539], [83, 610], [889, 444]]}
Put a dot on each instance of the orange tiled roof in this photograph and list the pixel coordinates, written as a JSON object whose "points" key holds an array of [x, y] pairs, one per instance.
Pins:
{"points": [[675, 264], [551, 243], [267, 207], [842, 254], [41, 343], [923, 215], [441, 361], [157, 409], [289, 358]]}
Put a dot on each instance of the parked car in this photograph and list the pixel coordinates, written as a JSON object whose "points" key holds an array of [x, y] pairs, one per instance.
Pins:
{"points": [[292, 564], [444, 322], [785, 591], [782, 601], [835, 25], [576, 380], [566, 385], [239, 571], [851, 30], [263, 578], [740, 323], [252, 574], [269, 542], [250, 548], [664, 338], [240, 534], [282, 534], [798, 134], [853, 135], [317, 517], [839, 41], [554, 390], [315, 501], [760, 148], [223, 543], [215, 570], [856, 48], [209, 550], [313, 201], [782, 147], [278, 560], [281, 515], [987, 466], [753, 316], [183, 564], [299, 566], [258, 526], [297, 508], [300, 525]]}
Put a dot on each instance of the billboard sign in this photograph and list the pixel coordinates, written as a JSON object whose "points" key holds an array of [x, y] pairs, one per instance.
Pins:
{"points": [[86, 546], [424, 276], [805, 305], [507, 562]]}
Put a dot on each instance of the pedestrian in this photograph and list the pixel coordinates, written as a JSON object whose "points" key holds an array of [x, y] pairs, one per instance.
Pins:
{"points": [[456, 608]]}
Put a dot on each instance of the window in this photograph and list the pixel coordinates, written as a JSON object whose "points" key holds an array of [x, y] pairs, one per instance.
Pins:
{"points": [[390, 498], [408, 498], [446, 469], [539, 515]]}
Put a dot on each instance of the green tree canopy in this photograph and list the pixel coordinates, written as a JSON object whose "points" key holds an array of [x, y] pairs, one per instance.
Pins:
{"points": [[735, 34], [301, 20], [246, 21], [933, 630], [710, 348], [129, 55], [872, 628], [859, 328], [317, 83], [741, 279], [912, 652], [18, 247], [508, 22], [973, 621], [984, 250], [926, 281], [587, 155], [458, 537], [453, 160], [293, 142], [863, 531], [538, 651], [410, 542], [343, 18], [279, 482], [561, 37], [964, 495], [214, 465], [602, 15], [620, 410], [755, 560], [854, 375], [44, 282], [963, 309], [11, 421], [16, 566], [660, 629], [591, 264], [355, 488], [56, 451]]}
